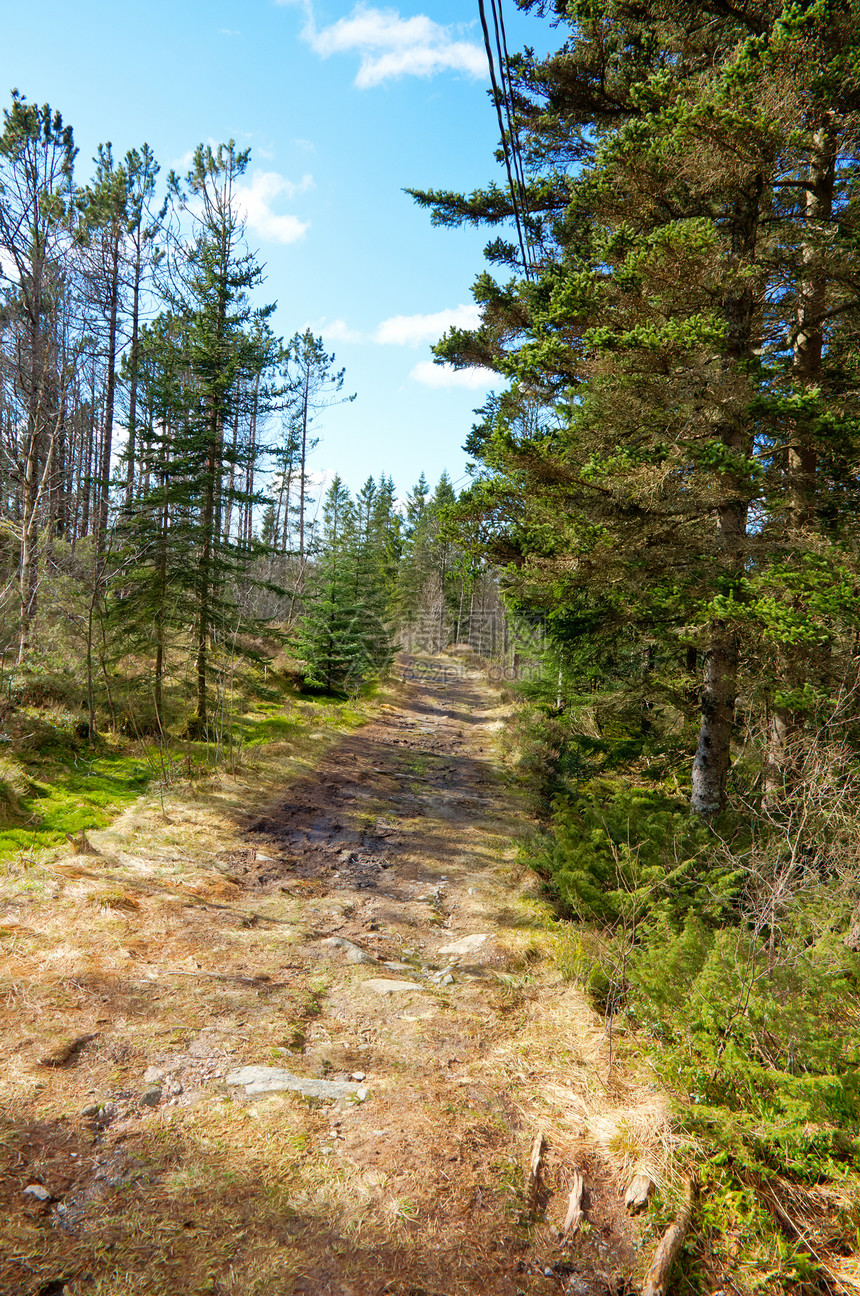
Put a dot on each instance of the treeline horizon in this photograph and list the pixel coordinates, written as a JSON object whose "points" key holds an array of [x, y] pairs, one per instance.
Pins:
{"points": [[155, 437]]}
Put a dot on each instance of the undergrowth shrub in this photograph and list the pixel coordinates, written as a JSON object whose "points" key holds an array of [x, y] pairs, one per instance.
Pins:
{"points": [[727, 950], [617, 853]]}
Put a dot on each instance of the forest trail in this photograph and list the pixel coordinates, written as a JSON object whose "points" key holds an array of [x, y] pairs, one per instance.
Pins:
{"points": [[366, 932]]}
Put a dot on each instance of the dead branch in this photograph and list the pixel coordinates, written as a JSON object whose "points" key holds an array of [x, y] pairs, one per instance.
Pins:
{"points": [[64, 1053], [262, 979]]}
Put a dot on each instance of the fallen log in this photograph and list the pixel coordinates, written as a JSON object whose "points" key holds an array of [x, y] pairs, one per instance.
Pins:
{"points": [[657, 1280]]}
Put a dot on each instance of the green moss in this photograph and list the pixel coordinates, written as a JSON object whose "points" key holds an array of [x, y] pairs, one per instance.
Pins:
{"points": [[66, 798]]}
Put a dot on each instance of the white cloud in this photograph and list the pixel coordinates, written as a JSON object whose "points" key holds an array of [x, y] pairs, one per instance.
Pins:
{"points": [[255, 201], [228, 31], [444, 375], [412, 330], [390, 46], [404, 330], [321, 478], [338, 331]]}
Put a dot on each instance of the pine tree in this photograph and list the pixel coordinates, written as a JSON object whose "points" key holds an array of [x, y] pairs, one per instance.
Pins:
{"points": [[643, 455], [224, 348]]}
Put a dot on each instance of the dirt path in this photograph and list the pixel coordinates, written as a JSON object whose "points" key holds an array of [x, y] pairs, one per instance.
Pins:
{"points": [[368, 930]]}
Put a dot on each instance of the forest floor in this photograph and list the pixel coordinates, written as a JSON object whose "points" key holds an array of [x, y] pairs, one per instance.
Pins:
{"points": [[358, 925]]}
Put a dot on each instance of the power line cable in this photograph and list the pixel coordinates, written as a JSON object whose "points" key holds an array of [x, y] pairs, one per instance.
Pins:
{"points": [[498, 97], [513, 135]]}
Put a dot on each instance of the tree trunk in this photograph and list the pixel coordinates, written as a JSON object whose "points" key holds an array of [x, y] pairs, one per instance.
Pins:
{"points": [[110, 393], [713, 753], [795, 667], [711, 763], [134, 353], [302, 462]]}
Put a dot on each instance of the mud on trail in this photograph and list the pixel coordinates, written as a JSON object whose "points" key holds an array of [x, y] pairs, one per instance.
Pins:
{"points": [[367, 934]]}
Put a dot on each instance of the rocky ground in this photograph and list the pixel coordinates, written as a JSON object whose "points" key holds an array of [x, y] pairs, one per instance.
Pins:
{"points": [[311, 1043]]}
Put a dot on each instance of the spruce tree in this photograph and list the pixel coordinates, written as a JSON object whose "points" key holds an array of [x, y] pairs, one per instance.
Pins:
{"points": [[654, 452], [344, 637]]}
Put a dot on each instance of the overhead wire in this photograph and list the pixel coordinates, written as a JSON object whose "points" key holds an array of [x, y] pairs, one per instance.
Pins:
{"points": [[513, 135], [500, 97]]}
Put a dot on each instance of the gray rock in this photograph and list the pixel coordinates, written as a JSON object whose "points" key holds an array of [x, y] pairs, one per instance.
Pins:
{"points": [[354, 954], [263, 1079], [153, 1074], [467, 945], [382, 986], [38, 1191], [151, 1098]]}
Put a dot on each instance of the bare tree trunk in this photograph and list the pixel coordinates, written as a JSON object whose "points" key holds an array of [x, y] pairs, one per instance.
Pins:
{"points": [[248, 527], [711, 762], [110, 395], [303, 461]]}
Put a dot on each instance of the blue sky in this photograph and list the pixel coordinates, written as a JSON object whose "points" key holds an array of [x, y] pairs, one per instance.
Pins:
{"points": [[343, 106]]}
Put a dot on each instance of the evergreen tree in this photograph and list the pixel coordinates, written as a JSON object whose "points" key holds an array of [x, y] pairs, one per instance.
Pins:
{"points": [[224, 348], [157, 593], [648, 453], [343, 634], [427, 590]]}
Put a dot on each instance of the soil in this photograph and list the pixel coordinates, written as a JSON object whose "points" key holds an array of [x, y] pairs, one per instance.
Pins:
{"points": [[164, 1177]]}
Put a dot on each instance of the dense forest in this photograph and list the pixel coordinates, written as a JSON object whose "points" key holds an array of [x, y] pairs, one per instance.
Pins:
{"points": [[670, 475]]}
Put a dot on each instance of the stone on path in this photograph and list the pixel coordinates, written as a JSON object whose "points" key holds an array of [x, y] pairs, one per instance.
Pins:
{"points": [[354, 953], [263, 1079], [384, 986], [467, 945]]}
